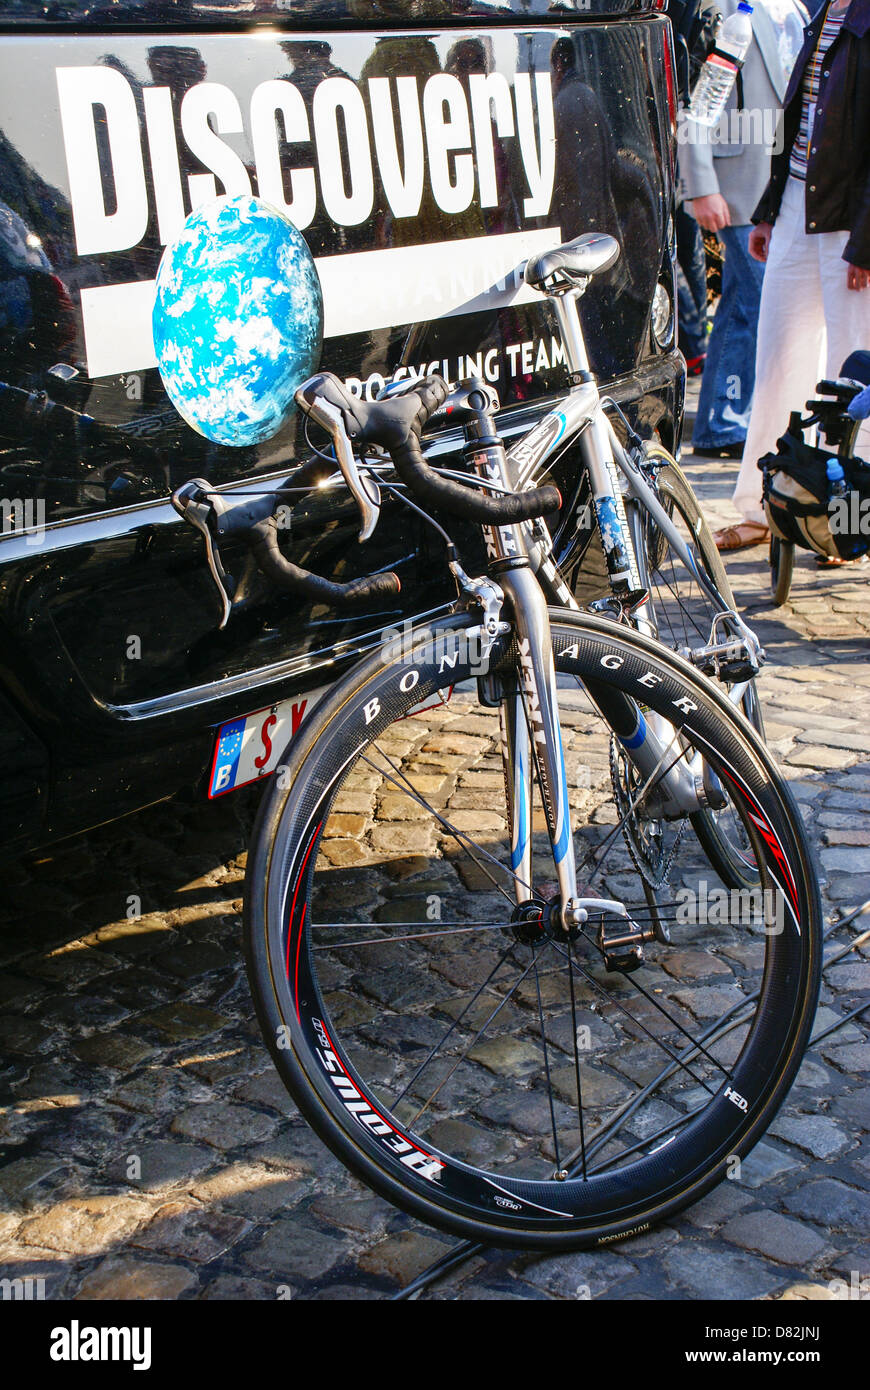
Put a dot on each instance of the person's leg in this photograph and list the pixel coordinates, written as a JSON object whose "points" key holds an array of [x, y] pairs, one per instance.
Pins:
{"points": [[729, 374], [847, 315], [790, 346], [691, 287]]}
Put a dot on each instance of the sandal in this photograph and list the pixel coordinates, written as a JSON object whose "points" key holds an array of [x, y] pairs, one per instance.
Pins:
{"points": [[741, 536], [832, 562]]}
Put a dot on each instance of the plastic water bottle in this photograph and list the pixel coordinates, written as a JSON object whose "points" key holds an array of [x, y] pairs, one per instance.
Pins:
{"points": [[719, 72], [836, 478]]}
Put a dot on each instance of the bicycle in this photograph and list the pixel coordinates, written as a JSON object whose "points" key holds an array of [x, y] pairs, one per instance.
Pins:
{"points": [[659, 569], [507, 1071]]}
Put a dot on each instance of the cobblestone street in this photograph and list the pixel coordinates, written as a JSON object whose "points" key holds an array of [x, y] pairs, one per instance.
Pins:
{"points": [[152, 1152]]}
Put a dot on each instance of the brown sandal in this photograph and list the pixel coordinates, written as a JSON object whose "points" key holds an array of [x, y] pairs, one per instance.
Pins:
{"points": [[832, 562], [741, 536]]}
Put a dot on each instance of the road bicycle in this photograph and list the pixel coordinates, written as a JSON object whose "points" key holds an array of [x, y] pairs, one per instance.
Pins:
{"points": [[464, 975]]}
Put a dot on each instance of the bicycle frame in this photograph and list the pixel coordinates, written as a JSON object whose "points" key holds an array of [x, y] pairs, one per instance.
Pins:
{"points": [[580, 415], [530, 725], [686, 784], [613, 472]]}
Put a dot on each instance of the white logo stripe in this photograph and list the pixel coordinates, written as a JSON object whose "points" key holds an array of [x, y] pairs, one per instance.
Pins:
{"points": [[362, 291]]}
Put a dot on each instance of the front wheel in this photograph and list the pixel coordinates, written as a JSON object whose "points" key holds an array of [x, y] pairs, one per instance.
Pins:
{"points": [[462, 1055]]}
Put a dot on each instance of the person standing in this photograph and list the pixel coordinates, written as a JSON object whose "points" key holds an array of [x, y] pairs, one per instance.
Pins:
{"points": [[724, 173], [812, 233]]}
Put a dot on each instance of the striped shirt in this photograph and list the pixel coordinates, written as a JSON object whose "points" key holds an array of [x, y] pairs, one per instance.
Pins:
{"points": [[800, 149]]}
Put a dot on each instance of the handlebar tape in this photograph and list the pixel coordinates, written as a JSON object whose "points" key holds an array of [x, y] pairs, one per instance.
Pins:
{"points": [[397, 424], [463, 501], [263, 541]]}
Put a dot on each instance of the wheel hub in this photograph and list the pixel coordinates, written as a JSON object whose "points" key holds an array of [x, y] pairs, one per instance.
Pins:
{"points": [[532, 921]]}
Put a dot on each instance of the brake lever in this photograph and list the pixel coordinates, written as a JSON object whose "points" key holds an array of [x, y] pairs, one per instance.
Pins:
{"points": [[365, 491], [193, 501]]}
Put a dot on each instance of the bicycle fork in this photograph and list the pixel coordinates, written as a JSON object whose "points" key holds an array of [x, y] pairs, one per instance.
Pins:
{"points": [[532, 738], [530, 726]]}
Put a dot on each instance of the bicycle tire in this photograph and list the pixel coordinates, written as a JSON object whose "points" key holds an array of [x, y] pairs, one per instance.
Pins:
{"points": [[781, 569], [323, 1024]]}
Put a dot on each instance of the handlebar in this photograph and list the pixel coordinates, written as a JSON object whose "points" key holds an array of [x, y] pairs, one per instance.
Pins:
{"points": [[217, 516], [394, 422]]}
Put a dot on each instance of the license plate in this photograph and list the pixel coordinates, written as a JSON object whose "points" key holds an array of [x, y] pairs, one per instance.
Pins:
{"points": [[249, 748]]}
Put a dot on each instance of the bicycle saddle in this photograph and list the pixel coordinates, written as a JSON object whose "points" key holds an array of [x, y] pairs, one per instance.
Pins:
{"points": [[575, 260]]}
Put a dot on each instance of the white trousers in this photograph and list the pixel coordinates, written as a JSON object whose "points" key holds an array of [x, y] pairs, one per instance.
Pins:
{"points": [[808, 323]]}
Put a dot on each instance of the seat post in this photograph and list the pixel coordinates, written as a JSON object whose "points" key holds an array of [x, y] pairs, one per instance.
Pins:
{"points": [[570, 328]]}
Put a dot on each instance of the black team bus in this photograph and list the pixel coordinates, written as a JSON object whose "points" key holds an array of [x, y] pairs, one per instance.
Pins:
{"points": [[424, 148]]}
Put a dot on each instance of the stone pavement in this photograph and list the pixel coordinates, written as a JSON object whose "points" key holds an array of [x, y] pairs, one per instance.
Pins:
{"points": [[151, 1151]]}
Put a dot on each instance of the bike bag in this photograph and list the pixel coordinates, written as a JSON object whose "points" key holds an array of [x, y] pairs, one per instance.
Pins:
{"points": [[798, 502]]}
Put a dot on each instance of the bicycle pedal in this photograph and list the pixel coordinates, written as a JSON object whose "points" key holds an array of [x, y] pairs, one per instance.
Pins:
{"points": [[733, 658], [732, 672], [623, 958], [622, 946]]}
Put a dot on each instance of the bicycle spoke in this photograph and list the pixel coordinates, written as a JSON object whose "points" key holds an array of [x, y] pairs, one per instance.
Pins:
{"points": [[635, 983], [461, 838], [617, 1003], [410, 936], [547, 1064], [478, 1035], [456, 1022]]}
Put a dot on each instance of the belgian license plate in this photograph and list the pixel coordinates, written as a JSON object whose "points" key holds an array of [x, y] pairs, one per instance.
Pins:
{"points": [[249, 748]]}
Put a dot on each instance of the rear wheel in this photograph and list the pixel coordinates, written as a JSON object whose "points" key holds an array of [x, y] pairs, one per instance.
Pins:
{"points": [[461, 1055], [781, 569], [681, 615]]}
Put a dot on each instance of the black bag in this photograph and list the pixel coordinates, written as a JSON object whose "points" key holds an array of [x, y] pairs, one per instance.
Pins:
{"points": [[799, 505]]}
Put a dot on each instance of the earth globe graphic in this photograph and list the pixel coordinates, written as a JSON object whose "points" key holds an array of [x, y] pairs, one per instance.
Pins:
{"points": [[238, 319]]}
